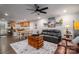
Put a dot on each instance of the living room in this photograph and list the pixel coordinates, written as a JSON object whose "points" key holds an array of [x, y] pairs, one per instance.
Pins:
{"points": [[39, 29]]}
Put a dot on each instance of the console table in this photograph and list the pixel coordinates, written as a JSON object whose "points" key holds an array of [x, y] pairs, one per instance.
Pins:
{"points": [[35, 41]]}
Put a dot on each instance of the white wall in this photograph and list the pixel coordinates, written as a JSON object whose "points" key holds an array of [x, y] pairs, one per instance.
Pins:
{"points": [[67, 20], [39, 23]]}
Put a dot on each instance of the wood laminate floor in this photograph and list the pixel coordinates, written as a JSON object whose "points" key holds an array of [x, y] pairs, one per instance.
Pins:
{"points": [[5, 42]]}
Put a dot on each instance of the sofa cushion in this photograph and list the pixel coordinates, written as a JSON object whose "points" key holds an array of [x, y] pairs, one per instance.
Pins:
{"points": [[45, 33], [56, 31], [51, 36]]}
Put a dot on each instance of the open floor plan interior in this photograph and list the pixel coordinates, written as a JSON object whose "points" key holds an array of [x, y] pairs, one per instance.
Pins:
{"points": [[39, 28]]}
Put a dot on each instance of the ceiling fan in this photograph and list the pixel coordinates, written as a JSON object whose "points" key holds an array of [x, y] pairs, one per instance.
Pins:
{"points": [[38, 10]]}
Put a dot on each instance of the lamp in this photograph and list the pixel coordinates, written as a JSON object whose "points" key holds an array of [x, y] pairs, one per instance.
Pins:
{"points": [[67, 27]]}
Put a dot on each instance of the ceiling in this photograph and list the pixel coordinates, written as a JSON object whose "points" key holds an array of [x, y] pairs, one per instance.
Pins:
{"points": [[19, 12]]}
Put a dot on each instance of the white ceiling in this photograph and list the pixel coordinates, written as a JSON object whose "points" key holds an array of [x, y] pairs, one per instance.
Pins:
{"points": [[19, 12]]}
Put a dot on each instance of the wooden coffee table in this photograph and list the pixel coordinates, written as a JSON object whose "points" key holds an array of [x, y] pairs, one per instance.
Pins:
{"points": [[35, 41]]}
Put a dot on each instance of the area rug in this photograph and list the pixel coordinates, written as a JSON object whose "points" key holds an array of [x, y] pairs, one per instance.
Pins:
{"points": [[22, 47]]}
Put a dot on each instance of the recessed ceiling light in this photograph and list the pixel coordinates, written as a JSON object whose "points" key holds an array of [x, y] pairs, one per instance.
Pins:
{"points": [[6, 14], [39, 17], [65, 11]]}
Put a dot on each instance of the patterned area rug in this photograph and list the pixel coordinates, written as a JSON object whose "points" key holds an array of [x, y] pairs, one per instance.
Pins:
{"points": [[22, 47]]}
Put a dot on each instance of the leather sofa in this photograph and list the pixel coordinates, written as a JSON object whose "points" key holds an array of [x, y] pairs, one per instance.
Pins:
{"points": [[53, 36]]}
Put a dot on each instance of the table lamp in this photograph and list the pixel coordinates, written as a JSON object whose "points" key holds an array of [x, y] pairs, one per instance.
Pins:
{"points": [[67, 27]]}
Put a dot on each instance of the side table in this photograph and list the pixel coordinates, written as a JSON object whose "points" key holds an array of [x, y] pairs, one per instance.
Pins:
{"points": [[35, 41]]}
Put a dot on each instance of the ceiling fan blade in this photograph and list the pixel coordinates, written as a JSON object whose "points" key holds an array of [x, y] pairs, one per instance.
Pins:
{"points": [[30, 9], [43, 12], [44, 8]]}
